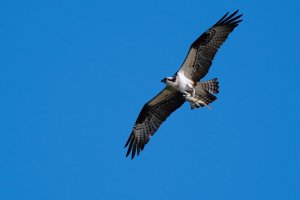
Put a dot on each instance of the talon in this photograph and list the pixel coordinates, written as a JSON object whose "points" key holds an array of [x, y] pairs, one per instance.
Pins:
{"points": [[194, 101], [187, 97], [203, 103]]}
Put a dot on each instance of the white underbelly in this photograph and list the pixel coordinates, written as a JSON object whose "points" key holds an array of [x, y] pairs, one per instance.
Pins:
{"points": [[184, 84]]}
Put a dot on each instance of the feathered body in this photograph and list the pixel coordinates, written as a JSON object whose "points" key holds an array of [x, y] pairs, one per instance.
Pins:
{"points": [[185, 85]]}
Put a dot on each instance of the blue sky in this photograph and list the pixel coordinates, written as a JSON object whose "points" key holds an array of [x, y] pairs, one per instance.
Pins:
{"points": [[75, 74]]}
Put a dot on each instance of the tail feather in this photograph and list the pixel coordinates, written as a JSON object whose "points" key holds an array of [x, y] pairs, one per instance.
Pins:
{"points": [[212, 86], [205, 92], [207, 98]]}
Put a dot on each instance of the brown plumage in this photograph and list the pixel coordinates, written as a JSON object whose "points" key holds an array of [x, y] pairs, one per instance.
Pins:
{"points": [[204, 48], [152, 115], [195, 66]]}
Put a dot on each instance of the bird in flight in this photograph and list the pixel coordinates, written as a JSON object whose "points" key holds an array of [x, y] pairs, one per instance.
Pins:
{"points": [[184, 85]]}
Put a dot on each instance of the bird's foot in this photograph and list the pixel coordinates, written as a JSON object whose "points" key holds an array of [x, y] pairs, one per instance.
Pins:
{"points": [[194, 102]]}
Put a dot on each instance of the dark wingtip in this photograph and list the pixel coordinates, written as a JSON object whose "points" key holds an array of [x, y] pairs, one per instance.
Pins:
{"points": [[235, 12], [133, 151], [231, 19], [128, 140], [129, 148], [224, 16], [132, 148]]}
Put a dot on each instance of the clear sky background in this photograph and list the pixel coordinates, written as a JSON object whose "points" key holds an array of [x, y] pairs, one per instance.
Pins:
{"points": [[75, 74]]}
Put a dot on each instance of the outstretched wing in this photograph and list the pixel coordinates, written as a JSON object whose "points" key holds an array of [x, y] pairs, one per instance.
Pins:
{"points": [[152, 115], [204, 49]]}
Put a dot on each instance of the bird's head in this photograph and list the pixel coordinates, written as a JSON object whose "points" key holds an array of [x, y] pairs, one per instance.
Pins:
{"points": [[169, 80]]}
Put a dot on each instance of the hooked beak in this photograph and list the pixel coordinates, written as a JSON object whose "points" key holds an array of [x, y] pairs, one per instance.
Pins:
{"points": [[164, 80]]}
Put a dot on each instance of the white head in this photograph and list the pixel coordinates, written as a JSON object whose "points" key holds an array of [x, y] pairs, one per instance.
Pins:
{"points": [[169, 80]]}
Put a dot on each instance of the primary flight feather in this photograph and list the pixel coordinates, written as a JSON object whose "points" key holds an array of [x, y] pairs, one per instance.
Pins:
{"points": [[184, 85]]}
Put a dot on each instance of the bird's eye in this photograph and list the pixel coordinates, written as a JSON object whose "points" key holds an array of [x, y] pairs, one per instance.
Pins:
{"points": [[173, 79]]}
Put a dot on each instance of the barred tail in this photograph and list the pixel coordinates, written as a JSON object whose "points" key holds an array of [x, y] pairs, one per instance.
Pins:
{"points": [[206, 99], [205, 91], [212, 86]]}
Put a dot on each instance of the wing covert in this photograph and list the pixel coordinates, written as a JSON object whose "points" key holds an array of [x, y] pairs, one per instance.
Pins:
{"points": [[203, 50], [152, 115]]}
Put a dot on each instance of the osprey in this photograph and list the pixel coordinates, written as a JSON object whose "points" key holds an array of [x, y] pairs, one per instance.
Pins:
{"points": [[185, 85]]}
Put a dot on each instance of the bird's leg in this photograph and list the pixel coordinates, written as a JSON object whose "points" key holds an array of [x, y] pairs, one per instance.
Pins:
{"points": [[194, 91], [203, 103], [188, 97], [185, 93], [194, 101], [190, 86]]}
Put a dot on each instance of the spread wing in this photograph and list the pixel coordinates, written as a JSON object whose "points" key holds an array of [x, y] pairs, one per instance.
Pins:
{"points": [[204, 49], [152, 115]]}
